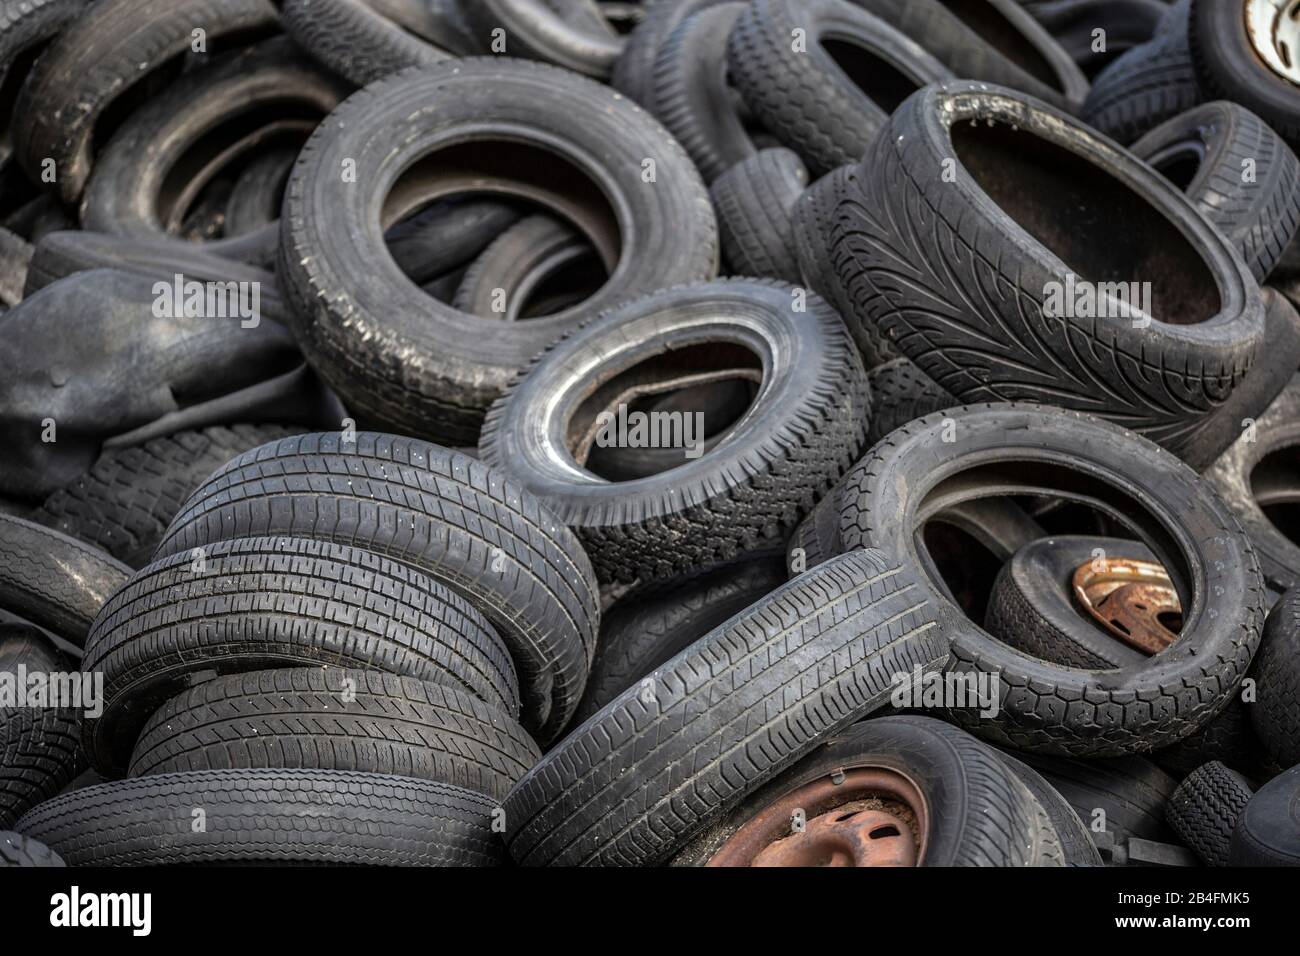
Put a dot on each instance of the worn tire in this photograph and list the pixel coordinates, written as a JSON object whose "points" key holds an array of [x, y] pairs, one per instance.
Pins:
{"points": [[18, 850], [335, 719], [539, 30], [1205, 808], [901, 393], [1077, 846], [355, 40], [1268, 830], [755, 202], [1132, 792], [633, 72], [1275, 713], [283, 817], [749, 491], [640, 778], [259, 603], [464, 524]]}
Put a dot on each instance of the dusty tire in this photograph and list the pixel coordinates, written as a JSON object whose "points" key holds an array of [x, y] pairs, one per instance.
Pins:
{"points": [[413, 364], [606, 795], [539, 31], [1268, 830], [633, 71], [755, 201], [265, 817], [1275, 713], [1077, 846], [913, 250], [1049, 707], [1128, 794], [354, 39], [466, 525], [259, 603], [18, 850], [130, 495], [901, 393], [1205, 808], [335, 719], [749, 491]]}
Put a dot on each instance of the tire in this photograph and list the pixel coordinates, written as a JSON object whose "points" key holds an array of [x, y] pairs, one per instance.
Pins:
{"points": [[691, 95], [15, 255], [1033, 609], [332, 719], [1204, 810], [98, 59], [354, 40], [1045, 706], [1276, 711], [25, 28], [751, 490], [536, 31], [475, 531], [1268, 830], [981, 812], [18, 850], [40, 746], [127, 191], [1127, 23], [414, 365], [621, 789], [1206, 151], [259, 603], [514, 271], [754, 201], [994, 41], [1148, 85], [283, 817], [1229, 66], [817, 264], [258, 191], [913, 252], [1237, 476], [447, 236], [652, 625], [827, 113], [54, 581], [901, 393], [1131, 793], [126, 500], [633, 72], [1077, 847], [1228, 739]]}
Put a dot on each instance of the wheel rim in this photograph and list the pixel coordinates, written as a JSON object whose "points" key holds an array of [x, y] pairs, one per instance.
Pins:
{"points": [[1274, 30], [1133, 600], [864, 816]]}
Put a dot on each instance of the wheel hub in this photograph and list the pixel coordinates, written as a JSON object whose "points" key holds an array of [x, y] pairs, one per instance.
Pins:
{"points": [[1134, 600], [1274, 30]]}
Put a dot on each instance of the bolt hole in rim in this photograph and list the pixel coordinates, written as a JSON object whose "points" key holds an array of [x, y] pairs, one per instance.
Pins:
{"points": [[858, 816], [1273, 27]]}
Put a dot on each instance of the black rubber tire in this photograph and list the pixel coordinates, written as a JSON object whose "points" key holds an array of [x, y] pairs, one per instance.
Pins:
{"points": [[108, 50], [15, 258], [354, 40], [1205, 808], [1237, 476], [335, 719], [18, 850], [541, 30], [1131, 792], [754, 201], [259, 603], [1227, 65], [414, 365], [946, 273], [1077, 846], [633, 73], [511, 271], [1215, 142], [53, 580], [1228, 738], [1126, 24], [692, 96], [26, 26], [981, 811], [635, 782], [1032, 607], [138, 166], [994, 41], [130, 495], [283, 817], [447, 236], [817, 262], [1148, 85], [824, 113], [651, 625], [1276, 711], [464, 524], [1268, 830], [901, 393], [936, 461], [749, 491], [40, 747], [258, 191]]}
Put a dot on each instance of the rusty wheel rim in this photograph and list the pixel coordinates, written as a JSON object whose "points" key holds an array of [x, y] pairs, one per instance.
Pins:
{"points": [[863, 816], [1135, 601]]}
